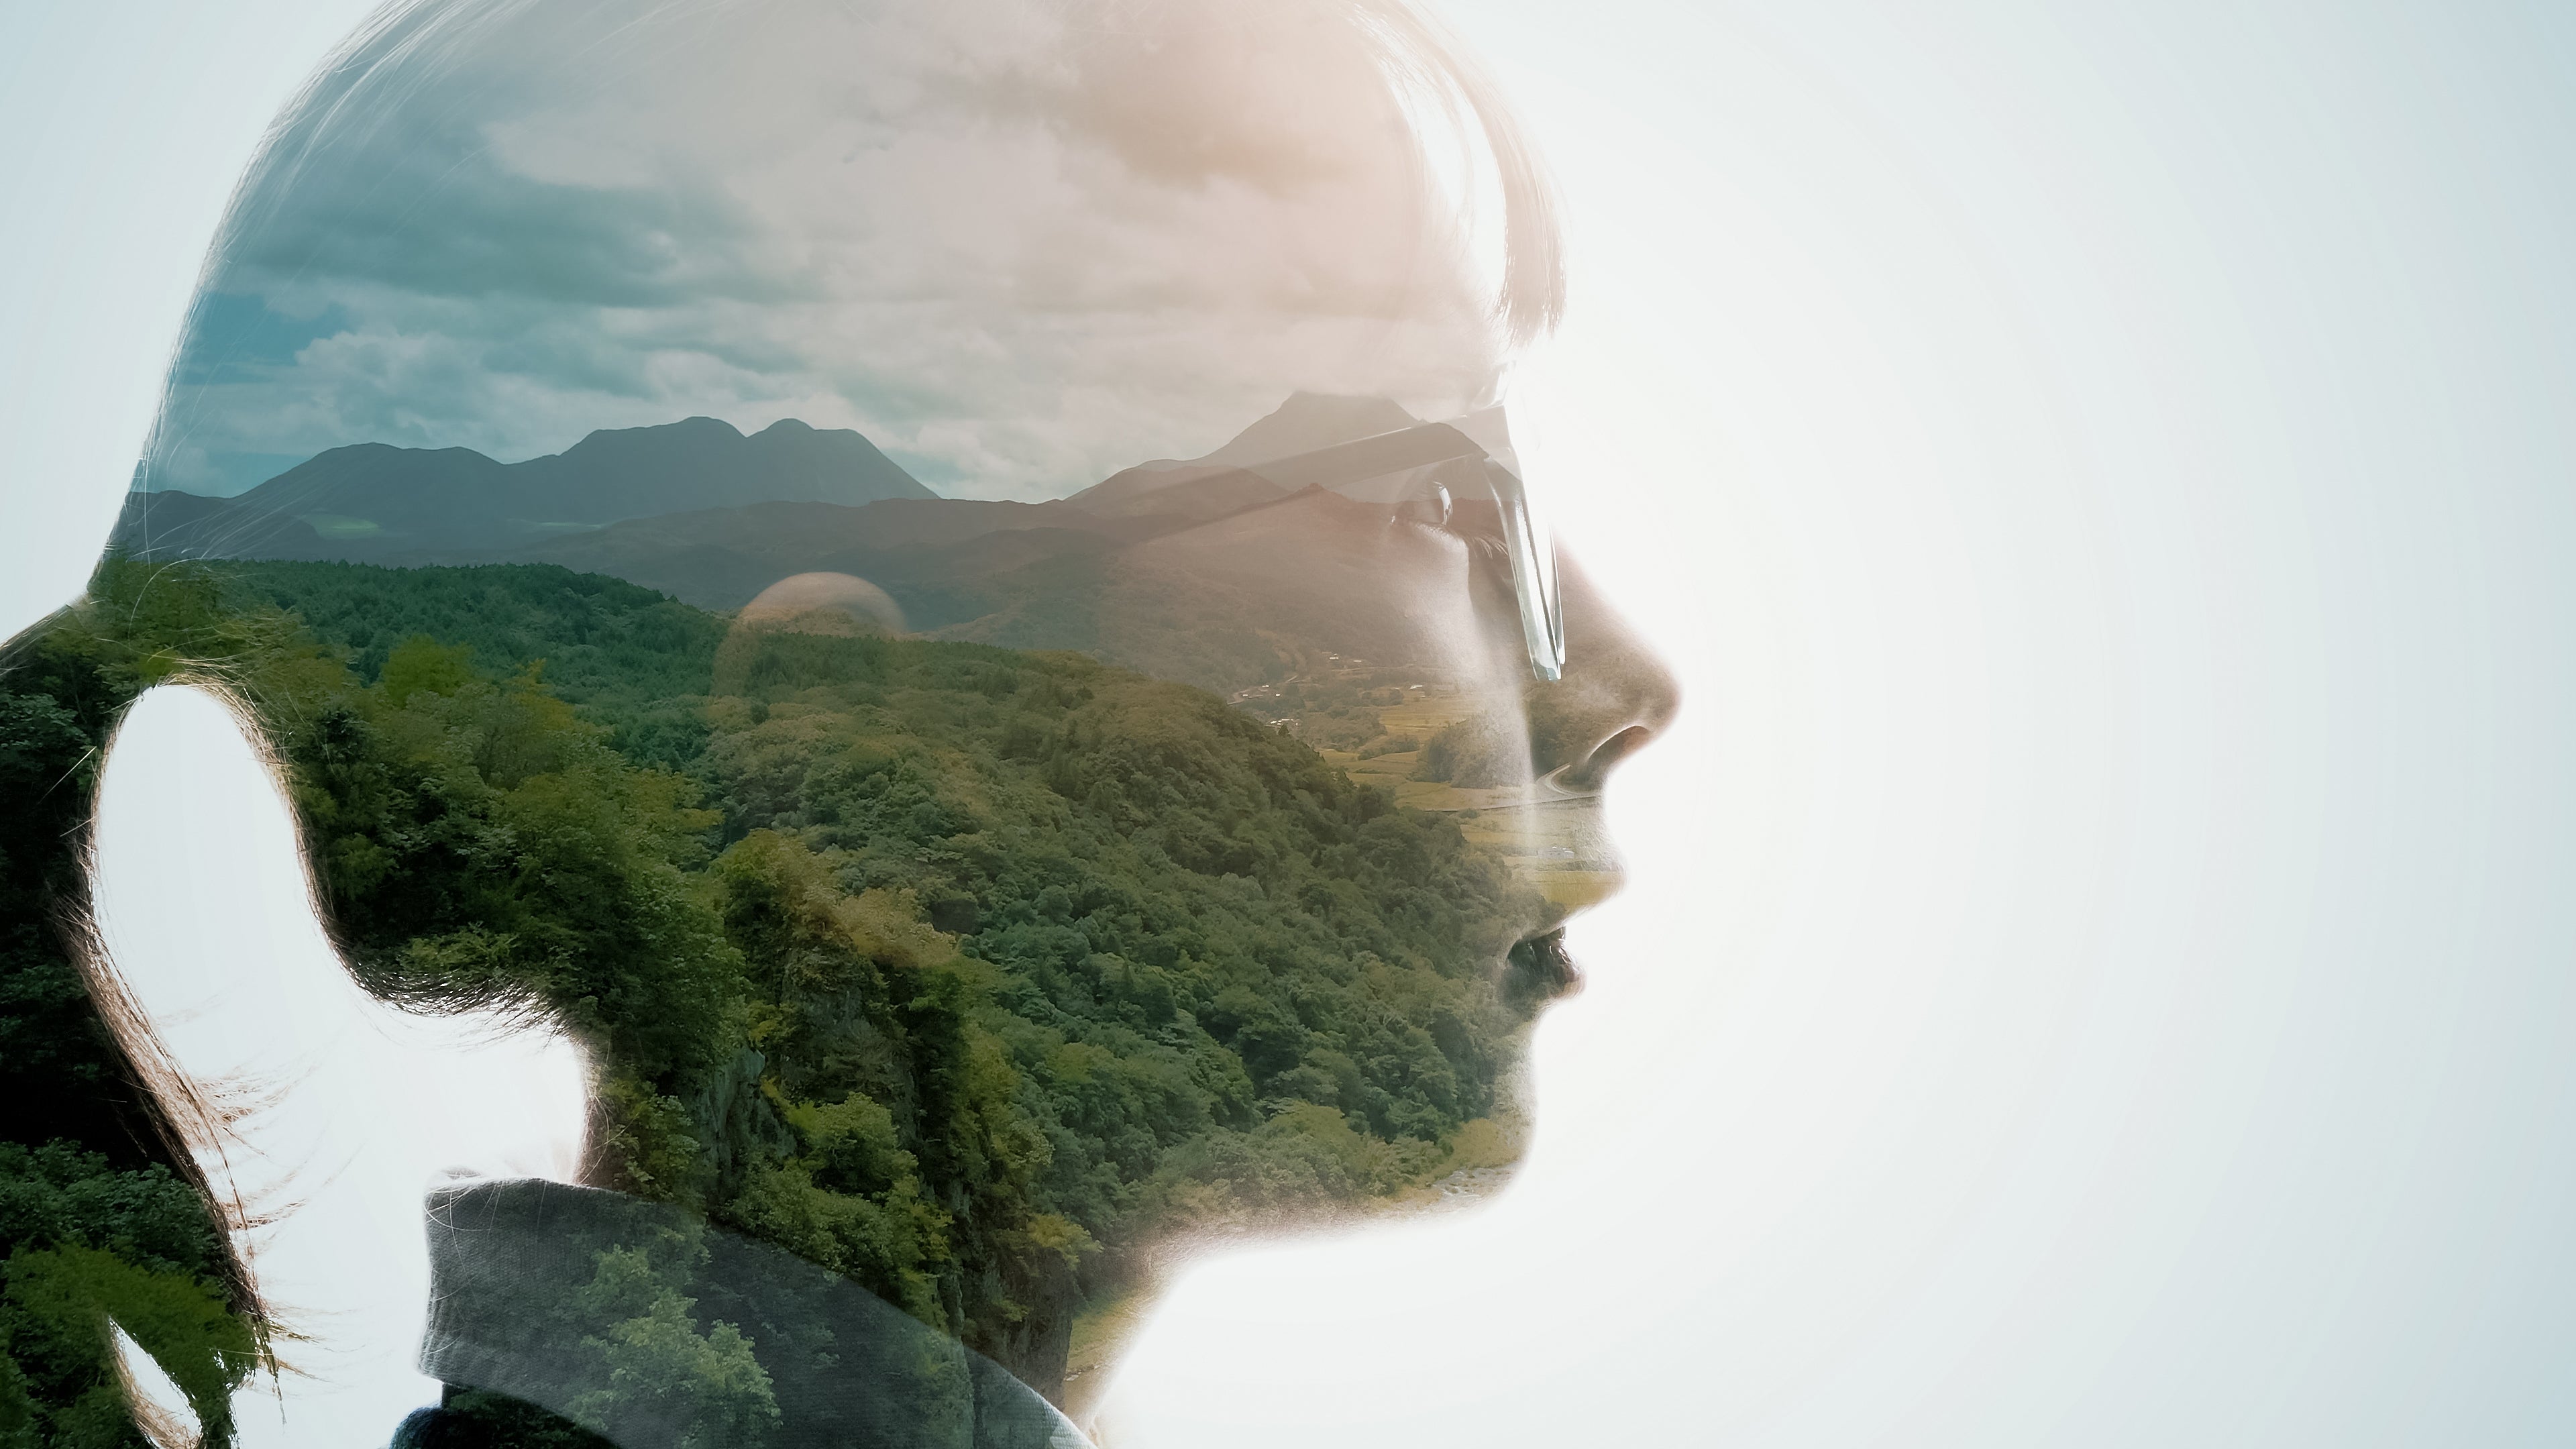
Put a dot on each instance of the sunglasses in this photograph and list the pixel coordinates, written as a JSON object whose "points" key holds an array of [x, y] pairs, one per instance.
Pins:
{"points": [[1420, 464]]}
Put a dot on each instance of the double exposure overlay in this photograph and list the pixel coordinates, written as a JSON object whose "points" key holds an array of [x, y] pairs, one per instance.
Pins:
{"points": [[945, 589]]}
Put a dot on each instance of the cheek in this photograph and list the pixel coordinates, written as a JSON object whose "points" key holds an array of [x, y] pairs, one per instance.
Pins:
{"points": [[1396, 615], [1454, 620], [1459, 632]]}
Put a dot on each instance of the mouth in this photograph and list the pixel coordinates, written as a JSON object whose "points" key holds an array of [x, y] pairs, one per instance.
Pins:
{"points": [[1538, 971]]}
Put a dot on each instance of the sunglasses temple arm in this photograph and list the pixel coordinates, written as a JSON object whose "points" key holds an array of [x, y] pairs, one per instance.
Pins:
{"points": [[1533, 556]]}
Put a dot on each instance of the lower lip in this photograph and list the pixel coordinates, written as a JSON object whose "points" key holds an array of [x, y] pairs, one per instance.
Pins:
{"points": [[1539, 971]]}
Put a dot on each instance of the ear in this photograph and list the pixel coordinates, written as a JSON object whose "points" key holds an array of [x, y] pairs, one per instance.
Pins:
{"points": [[318, 1115]]}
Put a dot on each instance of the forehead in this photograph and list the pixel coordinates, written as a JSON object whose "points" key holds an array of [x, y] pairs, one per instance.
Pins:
{"points": [[1018, 244]]}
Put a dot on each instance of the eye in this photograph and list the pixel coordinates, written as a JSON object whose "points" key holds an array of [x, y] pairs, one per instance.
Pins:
{"points": [[1429, 496]]}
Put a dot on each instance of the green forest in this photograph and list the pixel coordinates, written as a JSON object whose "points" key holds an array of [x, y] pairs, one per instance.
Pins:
{"points": [[966, 972]]}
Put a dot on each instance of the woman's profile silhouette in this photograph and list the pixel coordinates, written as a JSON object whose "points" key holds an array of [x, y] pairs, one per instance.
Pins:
{"points": [[942, 594]]}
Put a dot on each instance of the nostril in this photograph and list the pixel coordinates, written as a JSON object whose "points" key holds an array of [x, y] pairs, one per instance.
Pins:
{"points": [[1588, 773]]}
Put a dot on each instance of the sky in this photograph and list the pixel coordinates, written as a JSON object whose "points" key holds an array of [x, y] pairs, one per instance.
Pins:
{"points": [[2095, 964], [1015, 242]]}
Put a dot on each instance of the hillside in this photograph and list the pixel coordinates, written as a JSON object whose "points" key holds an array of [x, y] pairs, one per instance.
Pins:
{"points": [[968, 973]]}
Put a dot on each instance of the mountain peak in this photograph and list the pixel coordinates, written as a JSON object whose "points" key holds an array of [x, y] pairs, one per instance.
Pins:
{"points": [[1307, 421], [692, 431], [709, 463]]}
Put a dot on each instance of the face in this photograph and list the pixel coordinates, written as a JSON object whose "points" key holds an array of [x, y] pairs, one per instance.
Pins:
{"points": [[1373, 615], [1037, 723], [1419, 659]]}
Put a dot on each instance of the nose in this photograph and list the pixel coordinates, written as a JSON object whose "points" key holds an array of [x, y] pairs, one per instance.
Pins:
{"points": [[1615, 695]]}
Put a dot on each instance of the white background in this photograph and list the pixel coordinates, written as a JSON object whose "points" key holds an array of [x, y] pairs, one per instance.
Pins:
{"points": [[2098, 971]]}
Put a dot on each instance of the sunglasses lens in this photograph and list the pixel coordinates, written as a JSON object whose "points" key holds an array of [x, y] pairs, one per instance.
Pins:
{"points": [[1533, 556]]}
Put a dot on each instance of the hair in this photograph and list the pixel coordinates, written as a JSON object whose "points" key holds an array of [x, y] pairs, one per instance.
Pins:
{"points": [[1417, 51]]}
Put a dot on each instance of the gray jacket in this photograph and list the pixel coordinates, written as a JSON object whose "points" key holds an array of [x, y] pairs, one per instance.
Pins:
{"points": [[657, 1331]]}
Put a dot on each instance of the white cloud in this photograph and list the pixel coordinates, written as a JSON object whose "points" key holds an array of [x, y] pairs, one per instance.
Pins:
{"points": [[1022, 241]]}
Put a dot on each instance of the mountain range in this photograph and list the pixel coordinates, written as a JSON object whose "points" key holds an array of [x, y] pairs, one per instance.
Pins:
{"points": [[375, 503], [700, 512]]}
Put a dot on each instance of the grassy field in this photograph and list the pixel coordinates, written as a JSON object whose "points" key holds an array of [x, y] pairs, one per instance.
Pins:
{"points": [[1556, 844]]}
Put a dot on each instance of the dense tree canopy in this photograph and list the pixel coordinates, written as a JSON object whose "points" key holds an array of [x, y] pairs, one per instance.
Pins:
{"points": [[969, 973]]}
